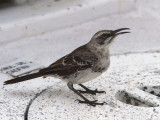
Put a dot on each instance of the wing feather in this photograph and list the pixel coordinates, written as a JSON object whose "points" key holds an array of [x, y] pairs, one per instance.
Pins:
{"points": [[79, 59]]}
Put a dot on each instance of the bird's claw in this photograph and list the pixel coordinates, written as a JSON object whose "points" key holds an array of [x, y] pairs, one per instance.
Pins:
{"points": [[92, 103], [93, 92]]}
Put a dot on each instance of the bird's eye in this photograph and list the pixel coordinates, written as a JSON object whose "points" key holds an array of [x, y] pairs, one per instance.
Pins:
{"points": [[104, 35]]}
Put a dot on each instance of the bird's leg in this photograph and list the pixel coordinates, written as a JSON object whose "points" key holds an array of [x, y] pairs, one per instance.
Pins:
{"points": [[87, 90], [86, 101]]}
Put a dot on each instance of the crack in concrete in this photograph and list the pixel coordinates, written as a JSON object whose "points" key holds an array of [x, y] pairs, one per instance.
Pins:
{"points": [[128, 53], [31, 101]]}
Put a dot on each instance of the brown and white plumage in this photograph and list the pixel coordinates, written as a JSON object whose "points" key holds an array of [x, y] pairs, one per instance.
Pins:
{"points": [[83, 64]]}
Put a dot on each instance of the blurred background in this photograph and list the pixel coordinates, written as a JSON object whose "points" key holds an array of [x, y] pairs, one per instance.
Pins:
{"points": [[45, 30]]}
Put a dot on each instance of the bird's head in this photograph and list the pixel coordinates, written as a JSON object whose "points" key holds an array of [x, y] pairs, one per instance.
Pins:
{"points": [[104, 38]]}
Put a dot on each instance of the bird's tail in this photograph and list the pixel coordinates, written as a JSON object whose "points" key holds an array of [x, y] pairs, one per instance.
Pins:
{"points": [[23, 78]]}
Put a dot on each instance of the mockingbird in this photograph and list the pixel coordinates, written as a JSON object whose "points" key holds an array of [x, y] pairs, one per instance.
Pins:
{"points": [[83, 64]]}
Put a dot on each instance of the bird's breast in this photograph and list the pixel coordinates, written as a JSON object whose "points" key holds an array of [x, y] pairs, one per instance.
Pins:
{"points": [[102, 65]]}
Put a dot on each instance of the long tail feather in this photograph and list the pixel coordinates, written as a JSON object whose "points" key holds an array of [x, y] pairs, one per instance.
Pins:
{"points": [[23, 78]]}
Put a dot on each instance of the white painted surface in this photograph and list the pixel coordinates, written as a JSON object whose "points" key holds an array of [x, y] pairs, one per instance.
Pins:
{"points": [[19, 68]]}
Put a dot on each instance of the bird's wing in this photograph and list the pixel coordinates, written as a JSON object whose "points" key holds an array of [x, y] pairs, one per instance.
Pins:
{"points": [[79, 59]]}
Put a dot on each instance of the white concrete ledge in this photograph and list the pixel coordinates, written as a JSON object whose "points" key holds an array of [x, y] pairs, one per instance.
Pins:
{"points": [[68, 15]]}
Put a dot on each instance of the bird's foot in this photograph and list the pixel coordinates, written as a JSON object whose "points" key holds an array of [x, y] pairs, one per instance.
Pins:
{"points": [[93, 92], [92, 103]]}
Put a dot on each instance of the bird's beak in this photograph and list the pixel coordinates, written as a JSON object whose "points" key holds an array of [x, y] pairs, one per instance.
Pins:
{"points": [[118, 31]]}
